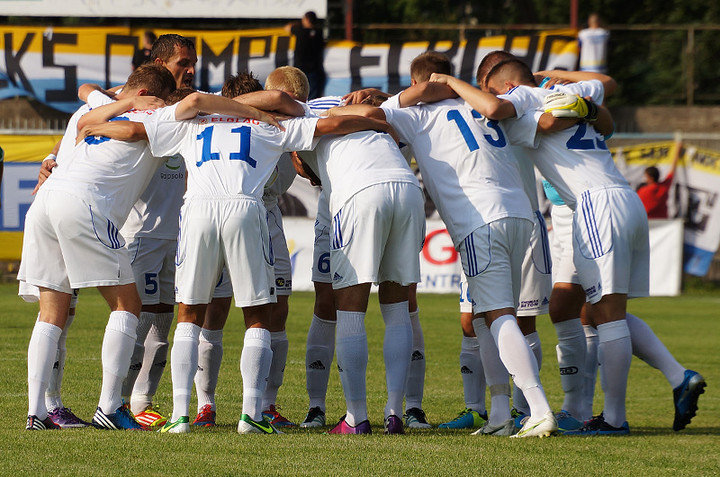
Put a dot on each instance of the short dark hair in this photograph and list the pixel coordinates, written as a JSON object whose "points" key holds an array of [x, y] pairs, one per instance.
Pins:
{"points": [[311, 16], [164, 46], [515, 65], [150, 36], [428, 63], [156, 79], [488, 62], [178, 95], [653, 172], [241, 83]]}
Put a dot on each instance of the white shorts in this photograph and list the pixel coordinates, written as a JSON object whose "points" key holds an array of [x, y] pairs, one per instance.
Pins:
{"points": [[31, 294], [466, 305], [67, 245], [536, 283], [321, 248], [378, 235], [564, 270], [612, 249], [223, 287], [492, 258], [283, 267], [229, 232], [153, 263]]}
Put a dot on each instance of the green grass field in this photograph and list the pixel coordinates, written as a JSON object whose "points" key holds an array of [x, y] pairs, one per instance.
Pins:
{"points": [[689, 326]]}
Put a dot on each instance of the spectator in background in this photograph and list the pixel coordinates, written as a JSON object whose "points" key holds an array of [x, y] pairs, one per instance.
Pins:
{"points": [[309, 51], [142, 56], [654, 194], [593, 45], [2, 165]]}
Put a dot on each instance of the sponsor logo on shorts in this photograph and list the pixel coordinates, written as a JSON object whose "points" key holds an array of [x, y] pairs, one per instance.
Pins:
{"points": [[280, 282], [465, 370], [529, 304], [337, 277], [316, 365], [417, 356], [568, 370], [545, 301], [590, 291]]}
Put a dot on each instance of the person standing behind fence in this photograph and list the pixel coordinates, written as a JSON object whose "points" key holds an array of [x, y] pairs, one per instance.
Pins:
{"points": [[593, 42], [309, 51], [653, 193], [143, 55]]}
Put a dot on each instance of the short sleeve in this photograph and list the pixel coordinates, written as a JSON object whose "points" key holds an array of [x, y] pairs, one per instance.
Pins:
{"points": [[405, 121], [522, 131], [96, 99], [523, 99], [591, 88], [393, 102], [299, 134], [165, 134]]}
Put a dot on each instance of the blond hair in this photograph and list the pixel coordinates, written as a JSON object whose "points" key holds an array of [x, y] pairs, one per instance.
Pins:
{"points": [[291, 80]]}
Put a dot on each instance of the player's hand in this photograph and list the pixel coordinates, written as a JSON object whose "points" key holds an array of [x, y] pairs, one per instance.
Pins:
{"points": [[303, 169], [357, 97], [270, 119], [440, 78], [142, 103], [553, 81], [83, 133], [45, 170]]}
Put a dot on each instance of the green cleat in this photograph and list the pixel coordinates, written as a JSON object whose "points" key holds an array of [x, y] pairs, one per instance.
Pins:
{"points": [[181, 426], [248, 426]]}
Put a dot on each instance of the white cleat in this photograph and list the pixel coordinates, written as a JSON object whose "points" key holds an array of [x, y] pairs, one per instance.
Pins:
{"points": [[506, 429], [545, 426]]}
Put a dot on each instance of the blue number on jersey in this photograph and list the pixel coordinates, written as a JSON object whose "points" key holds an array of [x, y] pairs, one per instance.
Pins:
{"points": [[244, 154], [578, 141], [206, 137], [454, 115]]}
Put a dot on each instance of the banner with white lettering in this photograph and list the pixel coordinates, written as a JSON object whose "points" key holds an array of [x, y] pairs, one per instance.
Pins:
{"points": [[50, 63]]}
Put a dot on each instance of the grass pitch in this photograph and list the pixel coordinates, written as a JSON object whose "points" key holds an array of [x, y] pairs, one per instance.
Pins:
{"points": [[689, 326]]}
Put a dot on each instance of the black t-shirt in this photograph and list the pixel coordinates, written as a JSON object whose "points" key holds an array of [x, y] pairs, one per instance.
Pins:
{"points": [[309, 48], [141, 57]]}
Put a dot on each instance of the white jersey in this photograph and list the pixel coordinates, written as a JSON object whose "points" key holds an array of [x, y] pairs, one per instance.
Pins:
{"points": [[593, 49], [575, 159], [320, 105], [109, 175], [67, 143], [226, 156], [280, 181], [467, 167]]}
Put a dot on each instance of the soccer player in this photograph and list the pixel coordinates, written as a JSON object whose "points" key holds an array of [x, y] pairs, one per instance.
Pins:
{"points": [[609, 227], [75, 219]]}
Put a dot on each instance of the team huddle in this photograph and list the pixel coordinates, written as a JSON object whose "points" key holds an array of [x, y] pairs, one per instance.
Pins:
{"points": [[159, 194]]}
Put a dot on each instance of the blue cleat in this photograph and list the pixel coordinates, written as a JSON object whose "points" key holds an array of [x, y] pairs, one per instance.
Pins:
{"points": [[467, 419], [598, 427], [121, 419], [518, 416], [566, 422], [685, 398]]}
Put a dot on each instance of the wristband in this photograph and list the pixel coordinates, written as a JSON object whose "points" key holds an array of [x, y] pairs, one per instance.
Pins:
{"points": [[50, 156]]}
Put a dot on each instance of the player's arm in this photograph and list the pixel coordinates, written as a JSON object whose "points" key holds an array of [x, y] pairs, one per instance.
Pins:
{"points": [[273, 100], [351, 124], [364, 110], [108, 111], [128, 131], [85, 89], [303, 169], [426, 92], [550, 124], [484, 103], [357, 97], [576, 76], [194, 103], [48, 164]]}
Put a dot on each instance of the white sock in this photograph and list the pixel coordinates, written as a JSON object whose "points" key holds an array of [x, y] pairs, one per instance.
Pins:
{"points": [[571, 353], [183, 365], [210, 353], [519, 401], [279, 345], [318, 358], [53, 398], [473, 376], [154, 362], [136, 359], [520, 362], [255, 366], [496, 375], [416, 374], [648, 347], [41, 356], [352, 358], [590, 372], [615, 354], [117, 347], [397, 351]]}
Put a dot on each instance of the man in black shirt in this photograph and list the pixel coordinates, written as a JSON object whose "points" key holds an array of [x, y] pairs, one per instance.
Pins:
{"points": [[142, 56], [309, 51]]}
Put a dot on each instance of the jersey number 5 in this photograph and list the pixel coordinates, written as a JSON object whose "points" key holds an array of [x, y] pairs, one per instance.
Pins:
{"points": [[242, 155]]}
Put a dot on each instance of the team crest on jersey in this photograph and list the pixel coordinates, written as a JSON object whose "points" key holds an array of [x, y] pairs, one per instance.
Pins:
{"points": [[174, 162]]}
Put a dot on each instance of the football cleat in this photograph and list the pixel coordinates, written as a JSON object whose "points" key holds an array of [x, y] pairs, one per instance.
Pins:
{"points": [[566, 422], [467, 419], [272, 415], [598, 427], [343, 427], [518, 416], [150, 417], [248, 426], [34, 423], [543, 427], [205, 417], [121, 419], [506, 429], [64, 418], [181, 426], [394, 425], [315, 418], [685, 398], [415, 419]]}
